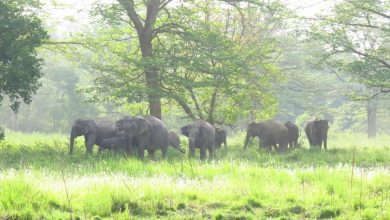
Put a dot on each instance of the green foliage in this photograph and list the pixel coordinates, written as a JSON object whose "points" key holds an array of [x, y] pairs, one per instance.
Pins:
{"points": [[355, 40], [2, 134], [205, 66], [57, 104], [21, 33]]}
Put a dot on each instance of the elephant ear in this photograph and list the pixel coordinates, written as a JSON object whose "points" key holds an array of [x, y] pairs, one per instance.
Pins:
{"points": [[88, 127], [324, 124], [124, 124], [142, 124], [185, 130]]}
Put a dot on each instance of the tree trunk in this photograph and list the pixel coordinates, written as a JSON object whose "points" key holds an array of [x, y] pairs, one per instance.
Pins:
{"points": [[144, 28], [151, 75], [371, 118]]}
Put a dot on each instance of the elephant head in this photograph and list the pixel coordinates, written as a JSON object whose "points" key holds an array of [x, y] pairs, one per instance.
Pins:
{"points": [[320, 129], [201, 134], [174, 141], [220, 137], [133, 127], [81, 127], [192, 133], [186, 130], [253, 130]]}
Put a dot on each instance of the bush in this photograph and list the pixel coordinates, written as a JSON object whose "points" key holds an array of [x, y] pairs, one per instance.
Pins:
{"points": [[2, 135]]}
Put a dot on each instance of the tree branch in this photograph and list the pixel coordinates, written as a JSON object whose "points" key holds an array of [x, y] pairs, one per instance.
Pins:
{"points": [[152, 8], [163, 4], [128, 5], [386, 64]]}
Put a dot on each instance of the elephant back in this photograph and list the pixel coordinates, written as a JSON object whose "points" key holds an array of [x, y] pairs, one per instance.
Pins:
{"points": [[276, 130], [159, 132], [206, 132], [292, 129], [106, 129]]}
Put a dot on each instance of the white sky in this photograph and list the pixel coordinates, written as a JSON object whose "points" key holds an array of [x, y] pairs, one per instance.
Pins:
{"points": [[67, 16]]}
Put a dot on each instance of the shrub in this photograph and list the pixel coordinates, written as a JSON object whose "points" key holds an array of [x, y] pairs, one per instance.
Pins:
{"points": [[2, 135]]}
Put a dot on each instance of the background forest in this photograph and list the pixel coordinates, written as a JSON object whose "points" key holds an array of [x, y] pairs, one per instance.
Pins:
{"points": [[225, 61]]}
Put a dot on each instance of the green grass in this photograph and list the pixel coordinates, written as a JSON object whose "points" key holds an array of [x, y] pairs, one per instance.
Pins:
{"points": [[38, 179]]}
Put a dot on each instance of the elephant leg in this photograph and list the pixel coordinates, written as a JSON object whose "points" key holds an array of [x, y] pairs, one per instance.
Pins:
{"points": [[283, 147], [164, 151], [89, 142], [151, 154], [141, 153], [224, 142], [211, 153], [261, 144], [192, 152], [202, 153], [326, 142]]}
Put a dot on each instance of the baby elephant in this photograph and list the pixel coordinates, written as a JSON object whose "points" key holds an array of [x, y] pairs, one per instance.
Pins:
{"points": [[174, 141], [115, 143], [220, 137]]}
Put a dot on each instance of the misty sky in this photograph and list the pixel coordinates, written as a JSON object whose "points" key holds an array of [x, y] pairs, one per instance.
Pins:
{"points": [[68, 15]]}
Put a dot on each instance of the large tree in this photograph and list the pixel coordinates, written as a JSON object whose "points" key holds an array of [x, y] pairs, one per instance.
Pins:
{"points": [[356, 39], [147, 31], [21, 33], [214, 59]]}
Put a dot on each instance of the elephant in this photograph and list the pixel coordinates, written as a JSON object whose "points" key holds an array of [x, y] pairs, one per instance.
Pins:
{"points": [[200, 135], [317, 132], [293, 134], [174, 141], [144, 133], [94, 132], [270, 133], [115, 143], [220, 137]]}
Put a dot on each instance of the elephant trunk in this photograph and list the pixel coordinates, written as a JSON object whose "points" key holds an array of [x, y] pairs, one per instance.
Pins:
{"points": [[177, 147], [71, 144], [246, 140]]}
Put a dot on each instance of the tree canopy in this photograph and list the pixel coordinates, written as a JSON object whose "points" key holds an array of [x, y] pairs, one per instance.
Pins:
{"points": [[209, 65], [21, 33], [356, 41]]}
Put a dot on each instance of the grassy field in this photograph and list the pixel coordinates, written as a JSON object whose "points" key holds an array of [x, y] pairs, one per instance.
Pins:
{"points": [[38, 179]]}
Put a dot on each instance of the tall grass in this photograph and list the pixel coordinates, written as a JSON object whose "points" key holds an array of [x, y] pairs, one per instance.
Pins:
{"points": [[38, 179]]}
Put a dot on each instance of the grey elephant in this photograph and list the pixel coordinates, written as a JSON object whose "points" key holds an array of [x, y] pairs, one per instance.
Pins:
{"points": [[93, 131], [200, 135], [317, 132], [293, 134], [220, 138], [174, 141], [270, 133], [144, 133], [114, 143]]}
